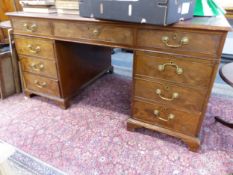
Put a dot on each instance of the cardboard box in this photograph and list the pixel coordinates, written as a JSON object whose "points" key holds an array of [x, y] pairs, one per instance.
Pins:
{"points": [[158, 12]]}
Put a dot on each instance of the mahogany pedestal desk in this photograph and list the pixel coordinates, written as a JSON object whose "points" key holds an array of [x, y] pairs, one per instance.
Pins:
{"points": [[173, 73]]}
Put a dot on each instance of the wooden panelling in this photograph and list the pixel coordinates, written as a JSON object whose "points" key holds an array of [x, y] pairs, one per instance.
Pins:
{"points": [[6, 6]]}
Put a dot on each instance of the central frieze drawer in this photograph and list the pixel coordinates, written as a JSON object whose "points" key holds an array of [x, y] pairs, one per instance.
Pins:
{"points": [[163, 116], [182, 97], [31, 26], [178, 69], [41, 85], [179, 41], [39, 66], [96, 32], [35, 47]]}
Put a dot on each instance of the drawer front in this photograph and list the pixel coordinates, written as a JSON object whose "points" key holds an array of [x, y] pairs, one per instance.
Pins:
{"points": [[31, 26], [186, 98], [178, 69], [41, 84], [35, 47], [39, 66], [177, 40], [95, 32], [173, 119]]}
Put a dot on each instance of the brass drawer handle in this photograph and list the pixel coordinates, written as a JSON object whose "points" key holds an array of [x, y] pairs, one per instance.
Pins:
{"points": [[183, 41], [169, 117], [37, 67], [179, 70], [30, 28], [175, 95], [34, 50], [40, 84]]}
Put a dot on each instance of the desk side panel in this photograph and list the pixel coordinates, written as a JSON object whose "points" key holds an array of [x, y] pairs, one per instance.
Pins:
{"points": [[79, 64]]}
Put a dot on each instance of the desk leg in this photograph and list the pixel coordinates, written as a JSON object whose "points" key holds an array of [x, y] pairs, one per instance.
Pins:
{"points": [[28, 94], [132, 126], [64, 104], [192, 142]]}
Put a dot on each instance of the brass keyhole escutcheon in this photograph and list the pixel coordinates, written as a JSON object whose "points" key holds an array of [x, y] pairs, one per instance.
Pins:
{"points": [[166, 88], [174, 36], [163, 109]]}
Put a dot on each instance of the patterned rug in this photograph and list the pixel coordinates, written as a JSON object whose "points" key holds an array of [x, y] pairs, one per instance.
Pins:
{"points": [[90, 138]]}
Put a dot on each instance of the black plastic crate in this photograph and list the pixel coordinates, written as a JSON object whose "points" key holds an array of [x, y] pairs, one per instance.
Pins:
{"points": [[158, 12]]}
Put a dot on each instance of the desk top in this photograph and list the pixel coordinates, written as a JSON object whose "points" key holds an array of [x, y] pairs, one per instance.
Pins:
{"points": [[206, 23]]}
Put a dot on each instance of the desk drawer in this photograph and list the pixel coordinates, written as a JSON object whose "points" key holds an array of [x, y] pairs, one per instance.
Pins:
{"points": [[31, 26], [39, 66], [160, 115], [178, 69], [35, 47], [41, 84], [185, 98], [95, 32], [179, 41]]}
